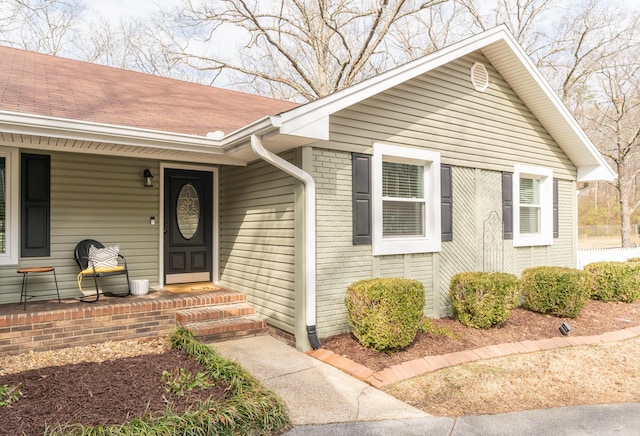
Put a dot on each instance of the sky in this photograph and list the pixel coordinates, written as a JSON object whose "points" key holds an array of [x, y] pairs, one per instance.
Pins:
{"points": [[115, 9]]}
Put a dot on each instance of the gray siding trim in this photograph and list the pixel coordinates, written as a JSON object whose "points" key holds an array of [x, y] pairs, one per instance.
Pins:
{"points": [[257, 238], [95, 197]]}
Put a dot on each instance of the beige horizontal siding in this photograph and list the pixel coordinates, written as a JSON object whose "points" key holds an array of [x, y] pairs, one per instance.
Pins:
{"points": [[441, 111], [477, 240], [481, 134], [257, 238], [565, 246], [94, 197]]}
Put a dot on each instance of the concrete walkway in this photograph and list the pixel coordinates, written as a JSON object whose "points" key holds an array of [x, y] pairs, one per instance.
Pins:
{"points": [[618, 419], [324, 400], [316, 393]]}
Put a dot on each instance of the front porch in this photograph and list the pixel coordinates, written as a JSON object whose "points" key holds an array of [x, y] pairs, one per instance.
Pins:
{"points": [[47, 325]]}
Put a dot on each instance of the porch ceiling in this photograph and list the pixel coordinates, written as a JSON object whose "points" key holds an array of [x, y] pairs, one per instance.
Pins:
{"points": [[53, 134], [133, 151], [50, 134]]}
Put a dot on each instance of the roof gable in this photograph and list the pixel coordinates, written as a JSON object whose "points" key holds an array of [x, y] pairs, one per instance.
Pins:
{"points": [[511, 62]]}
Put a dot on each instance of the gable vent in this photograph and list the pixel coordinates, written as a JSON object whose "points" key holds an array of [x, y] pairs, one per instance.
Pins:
{"points": [[479, 77]]}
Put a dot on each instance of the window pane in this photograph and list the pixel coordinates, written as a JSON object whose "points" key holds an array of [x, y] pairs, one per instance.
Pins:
{"points": [[529, 191], [402, 180], [529, 220], [402, 218], [3, 206]]}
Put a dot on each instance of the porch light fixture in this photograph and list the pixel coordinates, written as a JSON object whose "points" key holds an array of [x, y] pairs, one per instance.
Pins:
{"points": [[565, 328], [148, 178]]}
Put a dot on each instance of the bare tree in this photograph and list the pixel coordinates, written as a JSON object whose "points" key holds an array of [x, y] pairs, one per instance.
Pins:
{"points": [[134, 44], [591, 60], [615, 124], [44, 26], [300, 49], [525, 19], [65, 28], [581, 42]]}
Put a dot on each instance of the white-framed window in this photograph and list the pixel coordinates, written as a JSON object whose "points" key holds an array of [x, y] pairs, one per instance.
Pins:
{"points": [[9, 205], [533, 206], [406, 200]]}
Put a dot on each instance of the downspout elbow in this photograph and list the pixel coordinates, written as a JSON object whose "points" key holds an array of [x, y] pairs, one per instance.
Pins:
{"points": [[313, 337]]}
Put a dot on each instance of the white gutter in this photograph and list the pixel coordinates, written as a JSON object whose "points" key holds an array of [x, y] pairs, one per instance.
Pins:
{"points": [[310, 232], [29, 124]]}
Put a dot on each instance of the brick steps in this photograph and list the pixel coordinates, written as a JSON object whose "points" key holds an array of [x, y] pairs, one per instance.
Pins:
{"points": [[222, 321], [211, 313]]}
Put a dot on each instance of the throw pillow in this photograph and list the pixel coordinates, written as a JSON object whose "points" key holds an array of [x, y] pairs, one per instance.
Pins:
{"points": [[103, 257]]}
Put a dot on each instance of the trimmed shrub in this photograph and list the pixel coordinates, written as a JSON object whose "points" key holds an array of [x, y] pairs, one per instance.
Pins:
{"points": [[615, 281], [555, 290], [482, 300], [384, 313]]}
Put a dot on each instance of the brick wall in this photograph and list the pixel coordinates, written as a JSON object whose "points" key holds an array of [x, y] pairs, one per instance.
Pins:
{"points": [[85, 324], [339, 262]]}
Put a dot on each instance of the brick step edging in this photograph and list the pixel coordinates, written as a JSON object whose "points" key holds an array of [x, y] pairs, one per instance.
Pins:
{"points": [[217, 312], [423, 365]]}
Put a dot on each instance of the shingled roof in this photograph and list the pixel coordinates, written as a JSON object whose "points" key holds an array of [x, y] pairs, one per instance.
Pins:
{"points": [[33, 83]]}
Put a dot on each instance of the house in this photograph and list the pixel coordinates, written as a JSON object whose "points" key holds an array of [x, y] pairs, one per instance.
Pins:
{"points": [[463, 160]]}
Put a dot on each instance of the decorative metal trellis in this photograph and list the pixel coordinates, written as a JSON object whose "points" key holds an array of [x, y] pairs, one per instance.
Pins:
{"points": [[492, 243]]}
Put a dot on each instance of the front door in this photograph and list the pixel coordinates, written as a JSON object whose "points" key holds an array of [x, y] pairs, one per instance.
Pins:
{"points": [[188, 226]]}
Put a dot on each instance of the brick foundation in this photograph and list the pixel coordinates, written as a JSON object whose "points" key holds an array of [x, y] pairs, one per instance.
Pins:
{"points": [[49, 326]]}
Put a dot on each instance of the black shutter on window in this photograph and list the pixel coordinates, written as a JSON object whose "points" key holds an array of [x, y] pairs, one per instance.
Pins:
{"points": [[556, 223], [507, 205], [361, 185], [35, 204], [446, 202]]}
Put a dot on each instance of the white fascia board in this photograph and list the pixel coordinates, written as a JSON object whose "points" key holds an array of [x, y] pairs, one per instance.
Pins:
{"points": [[311, 114], [595, 173], [317, 128], [588, 154], [37, 125], [241, 138]]}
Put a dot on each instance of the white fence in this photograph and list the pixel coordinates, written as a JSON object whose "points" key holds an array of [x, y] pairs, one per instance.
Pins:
{"points": [[586, 257]]}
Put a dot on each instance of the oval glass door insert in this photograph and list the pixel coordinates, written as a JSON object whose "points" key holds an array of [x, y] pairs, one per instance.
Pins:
{"points": [[188, 211]]}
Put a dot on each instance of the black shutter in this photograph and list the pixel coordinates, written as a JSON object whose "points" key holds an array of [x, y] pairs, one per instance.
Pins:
{"points": [[35, 204], [507, 205], [556, 223], [361, 185], [446, 202]]}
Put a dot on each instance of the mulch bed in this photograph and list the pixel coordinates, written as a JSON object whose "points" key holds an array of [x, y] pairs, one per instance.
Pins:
{"points": [[110, 392], [596, 318]]}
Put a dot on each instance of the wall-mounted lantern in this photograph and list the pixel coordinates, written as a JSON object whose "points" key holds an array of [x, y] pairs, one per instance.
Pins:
{"points": [[148, 178]]}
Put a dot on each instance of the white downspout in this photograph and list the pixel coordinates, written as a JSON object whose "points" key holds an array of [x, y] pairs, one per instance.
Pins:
{"points": [[310, 232]]}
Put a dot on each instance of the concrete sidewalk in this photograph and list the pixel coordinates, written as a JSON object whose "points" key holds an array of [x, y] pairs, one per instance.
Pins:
{"points": [[608, 419], [316, 393], [323, 400]]}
